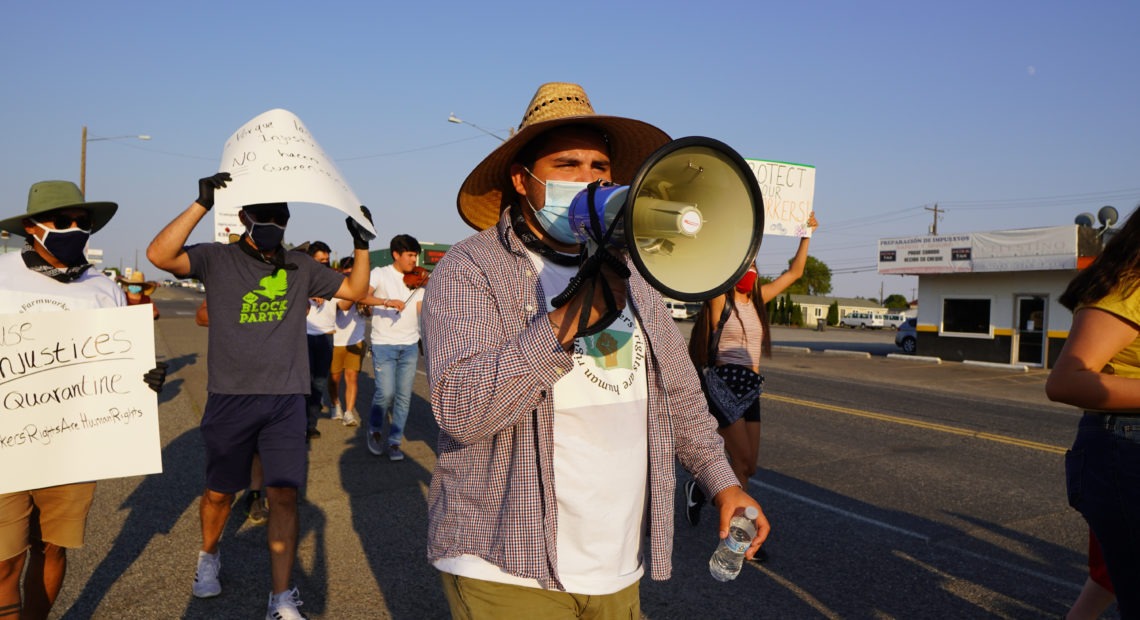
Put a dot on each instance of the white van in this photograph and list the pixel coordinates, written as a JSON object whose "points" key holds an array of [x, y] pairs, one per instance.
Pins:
{"points": [[894, 321], [682, 311], [862, 320]]}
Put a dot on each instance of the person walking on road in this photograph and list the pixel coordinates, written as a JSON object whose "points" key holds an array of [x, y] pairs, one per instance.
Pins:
{"points": [[553, 490], [50, 273], [395, 346], [1098, 370], [348, 355], [258, 370], [731, 334]]}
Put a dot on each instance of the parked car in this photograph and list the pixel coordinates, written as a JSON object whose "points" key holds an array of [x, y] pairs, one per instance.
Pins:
{"points": [[907, 336], [682, 311], [862, 320]]}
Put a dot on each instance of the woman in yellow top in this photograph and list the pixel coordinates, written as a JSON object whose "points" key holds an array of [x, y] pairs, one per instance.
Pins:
{"points": [[1098, 370], [740, 340]]}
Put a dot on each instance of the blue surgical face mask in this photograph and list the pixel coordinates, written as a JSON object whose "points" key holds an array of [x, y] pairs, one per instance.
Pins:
{"points": [[554, 216], [266, 235], [69, 246]]}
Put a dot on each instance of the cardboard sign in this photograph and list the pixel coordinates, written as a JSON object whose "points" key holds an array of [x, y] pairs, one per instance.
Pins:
{"points": [[789, 191], [274, 158], [73, 404]]}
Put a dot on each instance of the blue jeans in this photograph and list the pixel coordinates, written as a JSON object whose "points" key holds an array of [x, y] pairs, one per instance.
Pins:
{"points": [[395, 369], [1102, 473]]}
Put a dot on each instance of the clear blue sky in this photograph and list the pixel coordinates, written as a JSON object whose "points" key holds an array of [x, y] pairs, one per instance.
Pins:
{"points": [[1006, 114]]}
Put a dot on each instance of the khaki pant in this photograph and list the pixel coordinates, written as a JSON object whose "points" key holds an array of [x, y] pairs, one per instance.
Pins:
{"points": [[475, 599]]}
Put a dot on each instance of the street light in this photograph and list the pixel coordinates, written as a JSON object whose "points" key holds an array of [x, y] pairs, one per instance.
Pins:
{"points": [[83, 155], [452, 118]]}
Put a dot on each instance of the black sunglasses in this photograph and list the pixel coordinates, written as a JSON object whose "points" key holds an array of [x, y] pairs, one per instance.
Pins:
{"points": [[63, 221], [269, 217]]}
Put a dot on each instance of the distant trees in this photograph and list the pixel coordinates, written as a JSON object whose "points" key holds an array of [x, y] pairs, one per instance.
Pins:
{"points": [[896, 302], [816, 279], [833, 314]]}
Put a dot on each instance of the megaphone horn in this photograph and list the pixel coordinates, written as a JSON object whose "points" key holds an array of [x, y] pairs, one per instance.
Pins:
{"points": [[692, 219]]}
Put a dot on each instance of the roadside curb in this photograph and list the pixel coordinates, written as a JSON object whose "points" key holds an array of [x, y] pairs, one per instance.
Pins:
{"points": [[914, 358], [843, 353], [786, 349], [1013, 367]]}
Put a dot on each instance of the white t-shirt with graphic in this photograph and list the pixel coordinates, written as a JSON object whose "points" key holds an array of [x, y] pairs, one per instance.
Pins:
{"points": [[601, 452], [25, 290], [601, 459]]}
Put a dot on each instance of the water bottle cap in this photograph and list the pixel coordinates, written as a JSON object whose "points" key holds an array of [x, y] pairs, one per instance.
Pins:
{"points": [[751, 513]]}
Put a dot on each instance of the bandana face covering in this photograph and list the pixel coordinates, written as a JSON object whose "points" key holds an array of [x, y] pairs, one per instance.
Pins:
{"points": [[744, 286], [66, 245]]}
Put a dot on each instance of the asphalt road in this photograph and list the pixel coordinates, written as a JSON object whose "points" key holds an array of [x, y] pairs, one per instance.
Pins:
{"points": [[896, 489]]}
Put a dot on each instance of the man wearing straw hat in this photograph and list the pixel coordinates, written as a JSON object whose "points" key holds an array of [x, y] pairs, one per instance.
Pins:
{"points": [[556, 447], [51, 273]]}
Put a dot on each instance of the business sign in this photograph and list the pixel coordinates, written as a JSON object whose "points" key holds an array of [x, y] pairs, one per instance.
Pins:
{"points": [[1027, 249], [915, 255], [73, 404], [274, 158], [788, 191]]}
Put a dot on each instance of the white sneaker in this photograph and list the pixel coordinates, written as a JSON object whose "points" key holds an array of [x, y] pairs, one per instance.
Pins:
{"points": [[338, 413], [350, 418], [206, 582], [284, 606]]}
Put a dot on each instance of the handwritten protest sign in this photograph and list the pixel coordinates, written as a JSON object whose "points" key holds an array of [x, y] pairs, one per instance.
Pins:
{"points": [[788, 191], [274, 158], [73, 404]]}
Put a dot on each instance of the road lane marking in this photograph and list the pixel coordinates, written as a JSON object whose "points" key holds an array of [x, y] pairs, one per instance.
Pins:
{"points": [[942, 428], [944, 544], [840, 511]]}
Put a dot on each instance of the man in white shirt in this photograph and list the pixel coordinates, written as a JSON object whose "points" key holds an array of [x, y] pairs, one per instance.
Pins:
{"points": [[49, 274], [395, 340]]}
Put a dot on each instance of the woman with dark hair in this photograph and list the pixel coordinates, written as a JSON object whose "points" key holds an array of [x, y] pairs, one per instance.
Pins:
{"points": [[1098, 370], [731, 334]]}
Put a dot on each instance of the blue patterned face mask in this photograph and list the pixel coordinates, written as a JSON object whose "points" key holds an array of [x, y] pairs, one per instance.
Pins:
{"points": [[554, 216]]}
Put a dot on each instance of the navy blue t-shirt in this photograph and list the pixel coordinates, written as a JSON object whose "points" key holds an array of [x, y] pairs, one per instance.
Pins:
{"points": [[257, 318]]}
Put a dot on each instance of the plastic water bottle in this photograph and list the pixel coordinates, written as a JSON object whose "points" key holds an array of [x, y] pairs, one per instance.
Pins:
{"points": [[725, 563]]}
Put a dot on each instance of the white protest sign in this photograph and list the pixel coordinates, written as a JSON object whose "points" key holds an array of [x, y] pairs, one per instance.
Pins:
{"points": [[73, 404], [274, 158], [788, 191]]}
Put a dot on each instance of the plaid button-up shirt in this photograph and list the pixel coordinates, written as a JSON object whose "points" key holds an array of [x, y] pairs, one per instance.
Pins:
{"points": [[492, 361]]}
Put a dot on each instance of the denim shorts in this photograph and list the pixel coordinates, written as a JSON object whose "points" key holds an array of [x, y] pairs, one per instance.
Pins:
{"points": [[235, 426], [1102, 475]]}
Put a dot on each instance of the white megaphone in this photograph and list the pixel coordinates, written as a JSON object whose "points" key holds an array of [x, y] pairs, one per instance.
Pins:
{"points": [[692, 219]]}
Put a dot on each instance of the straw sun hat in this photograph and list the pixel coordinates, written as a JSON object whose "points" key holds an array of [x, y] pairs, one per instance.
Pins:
{"points": [[481, 197], [137, 277]]}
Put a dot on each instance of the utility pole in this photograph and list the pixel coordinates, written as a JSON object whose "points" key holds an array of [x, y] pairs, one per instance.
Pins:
{"points": [[936, 210]]}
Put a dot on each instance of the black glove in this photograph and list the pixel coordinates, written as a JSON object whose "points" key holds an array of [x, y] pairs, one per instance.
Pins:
{"points": [[360, 235], [207, 186], [156, 377]]}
